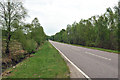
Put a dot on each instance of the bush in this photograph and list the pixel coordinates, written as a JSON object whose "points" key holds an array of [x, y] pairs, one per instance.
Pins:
{"points": [[30, 45], [38, 35], [19, 36]]}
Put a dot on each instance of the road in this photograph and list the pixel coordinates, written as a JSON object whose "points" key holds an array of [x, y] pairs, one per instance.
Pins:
{"points": [[94, 63]]}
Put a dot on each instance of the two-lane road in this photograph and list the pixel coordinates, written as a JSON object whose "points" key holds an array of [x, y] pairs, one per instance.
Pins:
{"points": [[95, 63]]}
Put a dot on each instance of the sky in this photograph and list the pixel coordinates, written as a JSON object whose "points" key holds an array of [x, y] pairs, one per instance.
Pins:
{"points": [[55, 15]]}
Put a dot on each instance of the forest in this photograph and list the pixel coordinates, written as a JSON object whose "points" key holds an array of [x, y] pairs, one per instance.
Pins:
{"points": [[100, 31]]}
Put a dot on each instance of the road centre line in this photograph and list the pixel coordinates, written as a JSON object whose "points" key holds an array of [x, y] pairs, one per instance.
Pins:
{"points": [[98, 56]]}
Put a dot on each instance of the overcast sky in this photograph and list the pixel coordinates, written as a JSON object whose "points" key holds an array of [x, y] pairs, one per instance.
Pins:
{"points": [[54, 15]]}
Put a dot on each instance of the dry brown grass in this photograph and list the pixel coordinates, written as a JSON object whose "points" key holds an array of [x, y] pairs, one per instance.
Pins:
{"points": [[16, 54]]}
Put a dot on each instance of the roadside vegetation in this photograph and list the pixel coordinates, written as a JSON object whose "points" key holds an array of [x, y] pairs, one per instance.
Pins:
{"points": [[19, 39], [45, 63], [25, 50], [99, 32]]}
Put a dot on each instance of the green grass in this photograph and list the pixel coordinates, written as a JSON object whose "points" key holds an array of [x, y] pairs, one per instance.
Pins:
{"points": [[101, 49], [46, 63]]}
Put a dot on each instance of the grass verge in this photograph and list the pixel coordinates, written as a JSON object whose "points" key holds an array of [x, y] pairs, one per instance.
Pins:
{"points": [[46, 63]]}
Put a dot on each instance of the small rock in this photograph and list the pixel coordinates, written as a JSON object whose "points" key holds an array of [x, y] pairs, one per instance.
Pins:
{"points": [[14, 67]]}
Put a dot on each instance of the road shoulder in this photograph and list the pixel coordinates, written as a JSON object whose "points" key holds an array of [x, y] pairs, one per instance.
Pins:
{"points": [[74, 72]]}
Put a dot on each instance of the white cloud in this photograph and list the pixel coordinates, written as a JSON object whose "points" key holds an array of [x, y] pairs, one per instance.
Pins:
{"points": [[56, 14]]}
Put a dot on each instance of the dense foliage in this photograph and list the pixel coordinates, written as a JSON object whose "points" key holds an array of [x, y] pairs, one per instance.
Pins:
{"points": [[19, 39], [13, 28], [29, 35], [11, 15], [97, 31]]}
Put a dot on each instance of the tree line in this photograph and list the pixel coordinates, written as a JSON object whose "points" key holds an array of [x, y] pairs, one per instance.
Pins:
{"points": [[98, 31], [12, 16]]}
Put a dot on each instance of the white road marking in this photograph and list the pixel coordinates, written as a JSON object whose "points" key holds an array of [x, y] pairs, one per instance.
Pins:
{"points": [[98, 56], [86, 76]]}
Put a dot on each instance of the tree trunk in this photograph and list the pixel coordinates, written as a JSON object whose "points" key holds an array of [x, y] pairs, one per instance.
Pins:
{"points": [[9, 30], [7, 48], [7, 43]]}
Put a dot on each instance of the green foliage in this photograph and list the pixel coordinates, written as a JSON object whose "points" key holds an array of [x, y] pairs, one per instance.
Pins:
{"points": [[30, 45], [97, 31], [37, 32], [31, 36], [19, 35], [38, 35], [118, 11], [11, 14], [4, 34]]}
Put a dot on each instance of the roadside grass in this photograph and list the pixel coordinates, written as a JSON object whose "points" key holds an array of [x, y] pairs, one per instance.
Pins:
{"points": [[101, 49], [46, 63]]}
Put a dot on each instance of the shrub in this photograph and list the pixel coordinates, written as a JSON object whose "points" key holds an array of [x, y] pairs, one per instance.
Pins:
{"points": [[38, 35], [30, 45]]}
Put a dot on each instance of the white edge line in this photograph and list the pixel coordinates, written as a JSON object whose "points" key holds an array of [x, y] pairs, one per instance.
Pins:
{"points": [[86, 76]]}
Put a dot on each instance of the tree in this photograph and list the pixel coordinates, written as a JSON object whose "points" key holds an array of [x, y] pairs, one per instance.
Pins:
{"points": [[119, 25], [11, 13], [37, 32], [98, 31], [35, 23]]}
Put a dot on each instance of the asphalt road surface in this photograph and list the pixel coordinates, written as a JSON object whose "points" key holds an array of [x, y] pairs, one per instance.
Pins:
{"points": [[94, 63]]}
